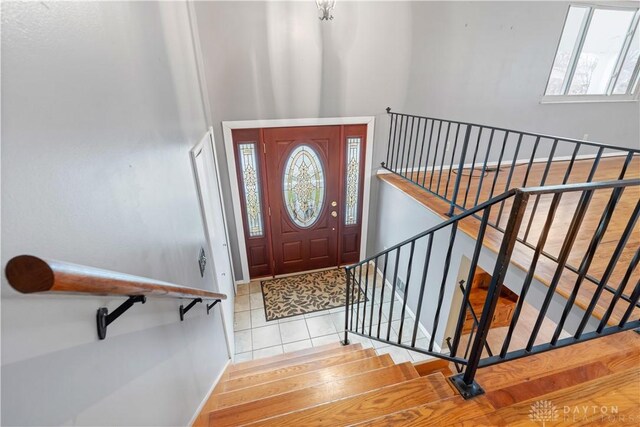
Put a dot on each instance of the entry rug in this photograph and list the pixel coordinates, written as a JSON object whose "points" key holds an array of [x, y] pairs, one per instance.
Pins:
{"points": [[305, 293]]}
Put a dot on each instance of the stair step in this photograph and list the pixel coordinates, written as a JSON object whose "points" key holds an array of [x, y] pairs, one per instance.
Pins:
{"points": [[291, 370], [309, 397], [621, 389], [285, 356], [571, 369], [293, 359], [331, 373], [369, 405], [504, 374], [430, 366]]}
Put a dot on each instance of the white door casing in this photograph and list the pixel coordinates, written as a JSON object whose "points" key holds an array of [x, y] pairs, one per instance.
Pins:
{"points": [[212, 207]]}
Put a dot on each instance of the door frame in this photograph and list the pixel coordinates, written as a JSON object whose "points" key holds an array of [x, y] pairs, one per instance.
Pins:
{"points": [[208, 138], [229, 126]]}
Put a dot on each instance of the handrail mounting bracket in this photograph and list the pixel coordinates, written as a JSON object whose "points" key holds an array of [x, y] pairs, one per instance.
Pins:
{"points": [[183, 309], [213, 304], [104, 318]]}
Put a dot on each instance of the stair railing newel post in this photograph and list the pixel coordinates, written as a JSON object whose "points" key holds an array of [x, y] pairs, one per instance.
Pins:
{"points": [[346, 307], [465, 382], [463, 153]]}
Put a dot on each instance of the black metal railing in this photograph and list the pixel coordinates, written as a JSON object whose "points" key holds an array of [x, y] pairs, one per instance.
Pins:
{"points": [[429, 310], [465, 164]]}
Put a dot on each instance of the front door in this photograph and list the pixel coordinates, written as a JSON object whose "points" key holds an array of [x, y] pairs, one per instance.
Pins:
{"points": [[303, 173], [301, 196]]}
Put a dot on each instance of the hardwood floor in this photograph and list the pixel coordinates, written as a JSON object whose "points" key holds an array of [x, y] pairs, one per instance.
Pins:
{"points": [[609, 169], [603, 374]]}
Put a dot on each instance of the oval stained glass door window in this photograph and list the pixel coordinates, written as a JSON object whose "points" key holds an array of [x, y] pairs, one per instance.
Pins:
{"points": [[303, 186]]}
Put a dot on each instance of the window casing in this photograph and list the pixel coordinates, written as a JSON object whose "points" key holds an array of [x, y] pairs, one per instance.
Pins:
{"points": [[597, 58]]}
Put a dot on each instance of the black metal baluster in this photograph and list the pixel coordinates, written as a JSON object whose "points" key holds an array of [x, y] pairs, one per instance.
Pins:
{"points": [[424, 134], [359, 296], [393, 292], [373, 293], [533, 156], [445, 273], [453, 154], [426, 160], [484, 167], [570, 238], [495, 177], [544, 179], [627, 161], [473, 165], [456, 187], [609, 270], [423, 282], [542, 240], [384, 285], [570, 165], [472, 271], [635, 296], [605, 218], [400, 145], [414, 177], [366, 292], [619, 291], [444, 151], [391, 145], [406, 290], [406, 161], [435, 156], [465, 383], [596, 162], [506, 187], [346, 307]]}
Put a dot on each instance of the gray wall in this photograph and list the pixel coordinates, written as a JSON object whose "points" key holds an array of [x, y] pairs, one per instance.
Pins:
{"points": [[488, 63], [276, 60], [100, 108], [400, 217], [484, 62]]}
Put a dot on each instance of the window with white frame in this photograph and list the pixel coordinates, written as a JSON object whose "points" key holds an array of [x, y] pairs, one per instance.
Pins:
{"points": [[597, 56]]}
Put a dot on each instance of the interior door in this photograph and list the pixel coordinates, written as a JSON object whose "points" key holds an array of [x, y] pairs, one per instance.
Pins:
{"points": [[304, 192], [215, 228]]}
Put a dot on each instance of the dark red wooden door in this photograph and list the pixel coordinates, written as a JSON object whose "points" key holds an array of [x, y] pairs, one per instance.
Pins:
{"points": [[303, 167]]}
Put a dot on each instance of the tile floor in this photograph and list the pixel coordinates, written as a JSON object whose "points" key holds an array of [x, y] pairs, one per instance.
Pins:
{"points": [[255, 337]]}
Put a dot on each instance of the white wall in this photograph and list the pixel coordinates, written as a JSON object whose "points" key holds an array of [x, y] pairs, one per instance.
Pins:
{"points": [[488, 63], [483, 62], [277, 60], [100, 108]]}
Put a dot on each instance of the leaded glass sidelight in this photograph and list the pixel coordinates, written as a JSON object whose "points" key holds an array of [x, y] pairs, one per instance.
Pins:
{"points": [[353, 181], [251, 187], [303, 186]]}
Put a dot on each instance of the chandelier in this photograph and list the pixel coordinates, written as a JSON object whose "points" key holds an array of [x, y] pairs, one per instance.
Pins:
{"points": [[326, 7]]}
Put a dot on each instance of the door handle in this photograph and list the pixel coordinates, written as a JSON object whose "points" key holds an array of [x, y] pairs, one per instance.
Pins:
{"points": [[334, 214], [334, 203]]}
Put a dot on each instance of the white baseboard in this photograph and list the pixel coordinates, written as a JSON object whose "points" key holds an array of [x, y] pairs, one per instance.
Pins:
{"points": [[505, 164], [208, 395]]}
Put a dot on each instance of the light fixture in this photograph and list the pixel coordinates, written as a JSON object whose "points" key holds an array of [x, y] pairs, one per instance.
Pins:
{"points": [[326, 7]]}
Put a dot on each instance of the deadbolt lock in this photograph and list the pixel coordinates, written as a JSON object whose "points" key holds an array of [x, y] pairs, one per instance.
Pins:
{"points": [[334, 214], [334, 203]]}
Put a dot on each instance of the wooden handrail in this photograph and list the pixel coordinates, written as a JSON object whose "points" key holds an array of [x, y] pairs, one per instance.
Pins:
{"points": [[29, 274]]}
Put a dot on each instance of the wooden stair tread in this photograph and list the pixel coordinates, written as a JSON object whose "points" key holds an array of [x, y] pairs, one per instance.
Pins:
{"points": [[621, 389], [264, 390], [503, 374], [285, 356], [291, 370], [318, 394], [294, 359], [512, 383], [431, 366], [368, 405]]}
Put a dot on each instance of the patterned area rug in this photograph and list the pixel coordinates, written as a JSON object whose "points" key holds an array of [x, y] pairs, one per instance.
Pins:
{"points": [[305, 293]]}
